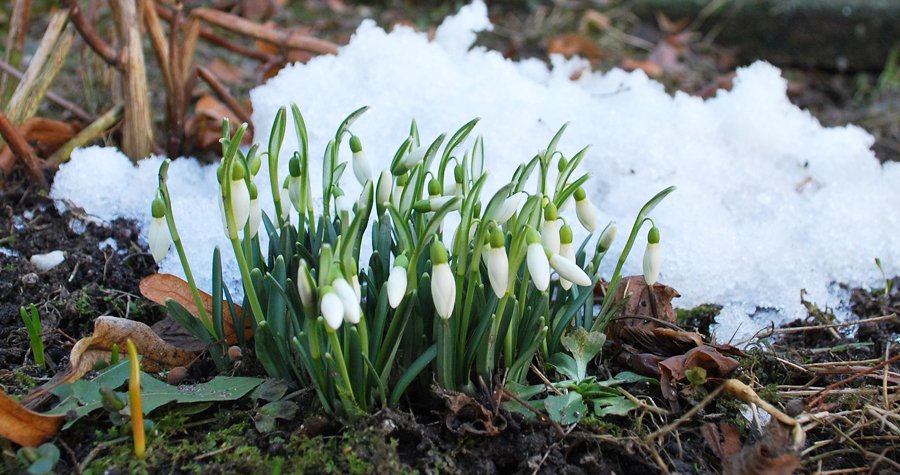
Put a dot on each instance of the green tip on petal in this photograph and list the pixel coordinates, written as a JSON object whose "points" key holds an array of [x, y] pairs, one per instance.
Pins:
{"points": [[294, 165], [550, 212], [220, 172], [401, 261], [403, 179], [565, 234], [563, 163], [580, 194], [255, 163], [237, 171], [532, 236], [434, 187], [355, 144], [497, 238], [422, 206], [459, 173], [254, 192], [158, 208], [653, 235], [439, 253]]}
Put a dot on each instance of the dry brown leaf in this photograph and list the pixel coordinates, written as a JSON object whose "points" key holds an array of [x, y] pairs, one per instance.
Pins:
{"points": [[156, 354], [773, 455], [25, 427], [573, 44], [46, 135], [226, 72], [468, 416], [160, 287], [211, 108], [651, 68], [673, 369]]}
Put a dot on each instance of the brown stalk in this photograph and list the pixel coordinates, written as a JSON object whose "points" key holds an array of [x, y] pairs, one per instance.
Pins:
{"points": [[51, 96], [175, 101], [90, 36], [158, 40], [189, 48], [86, 135], [137, 134], [22, 150], [824, 392], [208, 35], [276, 36], [15, 40], [222, 92]]}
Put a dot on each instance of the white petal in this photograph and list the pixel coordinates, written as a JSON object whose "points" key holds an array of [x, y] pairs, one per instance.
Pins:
{"points": [[568, 252], [538, 266], [414, 157], [285, 198], [498, 270], [348, 299], [294, 192], [240, 202], [357, 289], [255, 217], [343, 204], [305, 287], [652, 262], [361, 168], [550, 235], [443, 290], [158, 239], [396, 286], [509, 207], [587, 215], [332, 310], [569, 270], [385, 187]]}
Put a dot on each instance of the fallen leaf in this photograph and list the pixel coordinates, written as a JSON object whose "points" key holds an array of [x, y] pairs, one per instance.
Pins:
{"points": [[108, 331], [574, 44], [46, 135], [225, 71], [673, 369], [160, 287], [211, 108], [772, 455], [650, 68], [468, 416], [25, 427]]}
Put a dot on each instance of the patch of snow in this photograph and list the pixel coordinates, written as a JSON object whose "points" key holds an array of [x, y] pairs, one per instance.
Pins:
{"points": [[9, 252], [769, 201], [45, 262], [108, 243]]}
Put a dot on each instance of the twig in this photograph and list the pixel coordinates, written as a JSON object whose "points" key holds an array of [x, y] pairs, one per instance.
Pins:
{"points": [[824, 392], [15, 41], [781, 331], [51, 96], [208, 35], [91, 38], [87, 134], [22, 150], [137, 134], [276, 36], [222, 92], [884, 379], [687, 415], [544, 379]]}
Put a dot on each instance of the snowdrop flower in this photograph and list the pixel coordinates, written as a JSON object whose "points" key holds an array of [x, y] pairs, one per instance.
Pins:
{"points": [[384, 189], [607, 237], [345, 292], [285, 198], [343, 204], [306, 286], [538, 265], [240, 198], [568, 270], [411, 160], [509, 207], [585, 210], [255, 212], [357, 289], [294, 182], [159, 237], [497, 262], [443, 286], [397, 281], [567, 251], [397, 194], [361, 167], [332, 309], [459, 174], [652, 256], [550, 228]]}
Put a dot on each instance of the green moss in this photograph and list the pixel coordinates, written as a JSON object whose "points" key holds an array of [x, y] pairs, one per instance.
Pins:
{"points": [[600, 426], [701, 316]]}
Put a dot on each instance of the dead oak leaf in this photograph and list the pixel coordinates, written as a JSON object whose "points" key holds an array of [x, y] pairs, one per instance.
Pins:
{"points": [[673, 369], [26, 427], [468, 416]]}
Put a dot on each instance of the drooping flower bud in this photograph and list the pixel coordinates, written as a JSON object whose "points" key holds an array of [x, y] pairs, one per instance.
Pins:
{"points": [[568, 270], [498, 263], [397, 194], [459, 175], [436, 203], [240, 197], [255, 163], [345, 292], [397, 281], [383, 190], [331, 307], [509, 207], [159, 237], [255, 212], [443, 286], [306, 285], [538, 265], [585, 210], [550, 228], [412, 159], [652, 257], [295, 182], [361, 167], [285, 198], [607, 237], [566, 250]]}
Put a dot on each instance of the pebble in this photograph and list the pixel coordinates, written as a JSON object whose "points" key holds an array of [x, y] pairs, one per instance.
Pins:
{"points": [[30, 279]]}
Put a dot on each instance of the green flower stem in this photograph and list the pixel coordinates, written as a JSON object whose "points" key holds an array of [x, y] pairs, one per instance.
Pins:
{"points": [[339, 361], [231, 225], [445, 353]]}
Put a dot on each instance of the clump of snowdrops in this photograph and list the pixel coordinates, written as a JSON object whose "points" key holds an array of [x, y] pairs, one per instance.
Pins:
{"points": [[472, 303]]}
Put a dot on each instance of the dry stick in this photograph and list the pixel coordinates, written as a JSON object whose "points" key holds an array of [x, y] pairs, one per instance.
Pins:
{"points": [[222, 92], [276, 36], [687, 415], [15, 41], [189, 49], [137, 133], [176, 100], [86, 135], [208, 35], [51, 96], [158, 40], [22, 150], [824, 392], [96, 43]]}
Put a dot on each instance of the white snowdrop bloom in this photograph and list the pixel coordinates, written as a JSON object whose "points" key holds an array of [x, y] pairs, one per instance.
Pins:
{"points": [[585, 210], [295, 182], [285, 198], [343, 204], [397, 282], [361, 167], [509, 207], [240, 199], [332, 308], [652, 257], [550, 228], [443, 285], [413, 158], [384, 189], [357, 289], [569, 270], [255, 215], [607, 237], [497, 263], [159, 238], [345, 292], [538, 265], [567, 251], [306, 286]]}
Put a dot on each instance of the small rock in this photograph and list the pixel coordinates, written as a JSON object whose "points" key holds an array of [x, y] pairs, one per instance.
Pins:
{"points": [[234, 353], [30, 279], [45, 262], [176, 375]]}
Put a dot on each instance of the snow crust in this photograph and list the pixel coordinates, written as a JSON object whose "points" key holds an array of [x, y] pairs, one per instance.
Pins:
{"points": [[769, 202]]}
